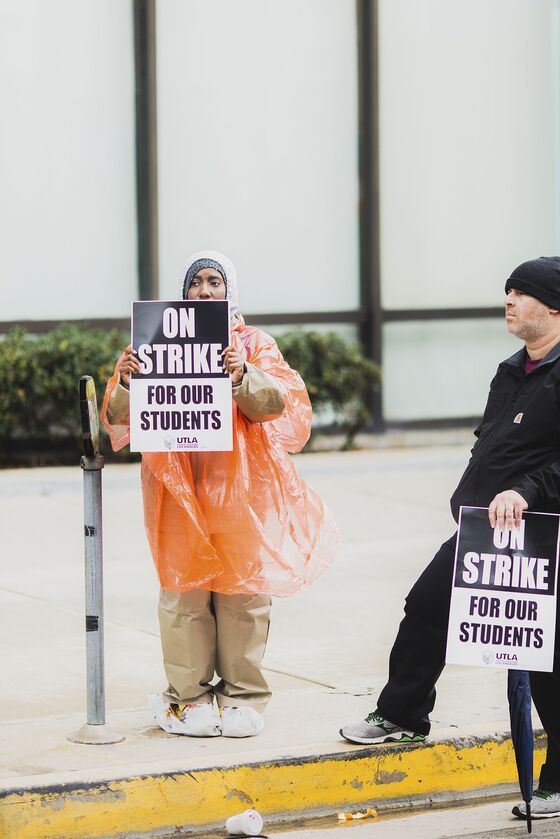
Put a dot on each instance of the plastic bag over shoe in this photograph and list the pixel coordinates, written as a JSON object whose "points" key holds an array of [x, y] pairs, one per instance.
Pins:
{"points": [[240, 521]]}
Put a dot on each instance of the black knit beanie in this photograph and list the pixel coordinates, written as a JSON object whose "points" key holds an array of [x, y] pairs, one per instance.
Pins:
{"points": [[540, 278]]}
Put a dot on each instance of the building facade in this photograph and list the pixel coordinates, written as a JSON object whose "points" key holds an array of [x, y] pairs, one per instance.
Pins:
{"points": [[373, 166]]}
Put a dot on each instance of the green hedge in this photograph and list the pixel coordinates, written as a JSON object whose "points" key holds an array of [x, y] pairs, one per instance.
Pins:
{"points": [[39, 379], [339, 379], [39, 376]]}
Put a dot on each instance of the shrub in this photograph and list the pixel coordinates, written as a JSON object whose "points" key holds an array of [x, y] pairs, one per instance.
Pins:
{"points": [[339, 378], [39, 378]]}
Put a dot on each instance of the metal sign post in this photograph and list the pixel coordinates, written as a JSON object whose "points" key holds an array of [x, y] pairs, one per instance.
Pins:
{"points": [[95, 731]]}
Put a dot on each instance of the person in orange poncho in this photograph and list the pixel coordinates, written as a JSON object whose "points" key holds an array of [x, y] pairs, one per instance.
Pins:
{"points": [[227, 529]]}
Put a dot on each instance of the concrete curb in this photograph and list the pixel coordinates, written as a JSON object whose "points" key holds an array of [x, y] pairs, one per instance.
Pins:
{"points": [[281, 790]]}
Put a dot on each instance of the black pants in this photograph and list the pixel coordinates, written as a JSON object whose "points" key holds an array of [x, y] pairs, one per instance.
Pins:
{"points": [[418, 657]]}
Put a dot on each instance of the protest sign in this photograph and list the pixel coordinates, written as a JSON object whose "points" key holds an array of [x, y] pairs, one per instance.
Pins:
{"points": [[181, 399], [503, 600]]}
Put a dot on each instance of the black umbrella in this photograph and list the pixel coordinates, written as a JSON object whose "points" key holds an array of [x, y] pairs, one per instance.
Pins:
{"points": [[519, 698]]}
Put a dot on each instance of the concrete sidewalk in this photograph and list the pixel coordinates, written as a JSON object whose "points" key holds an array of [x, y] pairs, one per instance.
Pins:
{"points": [[327, 654]]}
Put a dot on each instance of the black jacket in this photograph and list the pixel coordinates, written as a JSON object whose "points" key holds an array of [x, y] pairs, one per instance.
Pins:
{"points": [[518, 444]]}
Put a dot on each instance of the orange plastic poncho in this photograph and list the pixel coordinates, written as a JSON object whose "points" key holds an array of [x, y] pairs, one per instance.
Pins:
{"points": [[239, 521]]}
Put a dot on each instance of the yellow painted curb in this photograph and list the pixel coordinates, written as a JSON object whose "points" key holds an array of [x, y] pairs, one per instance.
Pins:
{"points": [[285, 787]]}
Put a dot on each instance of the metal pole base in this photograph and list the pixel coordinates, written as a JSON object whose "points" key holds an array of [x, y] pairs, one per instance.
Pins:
{"points": [[95, 735]]}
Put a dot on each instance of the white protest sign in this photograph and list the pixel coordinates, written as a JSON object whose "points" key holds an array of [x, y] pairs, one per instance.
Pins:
{"points": [[181, 399], [503, 600]]}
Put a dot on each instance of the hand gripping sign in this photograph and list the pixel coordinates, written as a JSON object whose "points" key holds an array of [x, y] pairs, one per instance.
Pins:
{"points": [[181, 399], [503, 600]]}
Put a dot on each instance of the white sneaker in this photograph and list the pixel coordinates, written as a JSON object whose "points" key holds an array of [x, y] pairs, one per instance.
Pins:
{"points": [[243, 721], [199, 719], [375, 729], [545, 804]]}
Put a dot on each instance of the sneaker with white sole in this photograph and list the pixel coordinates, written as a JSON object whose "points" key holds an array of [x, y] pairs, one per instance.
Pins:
{"points": [[200, 719], [241, 721], [376, 729], [545, 804]]}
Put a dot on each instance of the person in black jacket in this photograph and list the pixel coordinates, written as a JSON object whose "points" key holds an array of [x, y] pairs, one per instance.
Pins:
{"points": [[514, 466]]}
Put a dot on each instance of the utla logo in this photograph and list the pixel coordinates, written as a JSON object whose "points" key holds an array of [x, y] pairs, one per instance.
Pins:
{"points": [[506, 657], [187, 443]]}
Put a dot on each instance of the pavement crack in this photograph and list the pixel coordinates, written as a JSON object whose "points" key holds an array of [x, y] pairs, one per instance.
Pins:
{"points": [[271, 668], [69, 611]]}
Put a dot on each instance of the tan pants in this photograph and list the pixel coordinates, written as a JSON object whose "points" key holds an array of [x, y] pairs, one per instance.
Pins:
{"points": [[202, 633]]}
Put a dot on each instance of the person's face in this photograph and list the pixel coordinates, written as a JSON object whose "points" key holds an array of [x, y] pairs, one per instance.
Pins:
{"points": [[526, 317], [207, 284]]}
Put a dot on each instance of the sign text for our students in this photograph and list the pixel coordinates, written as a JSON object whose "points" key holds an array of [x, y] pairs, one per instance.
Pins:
{"points": [[503, 600], [181, 399]]}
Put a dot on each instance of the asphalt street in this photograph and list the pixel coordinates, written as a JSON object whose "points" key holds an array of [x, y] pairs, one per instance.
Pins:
{"points": [[485, 821]]}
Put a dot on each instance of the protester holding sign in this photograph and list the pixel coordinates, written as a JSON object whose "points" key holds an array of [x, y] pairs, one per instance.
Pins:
{"points": [[515, 465], [227, 529]]}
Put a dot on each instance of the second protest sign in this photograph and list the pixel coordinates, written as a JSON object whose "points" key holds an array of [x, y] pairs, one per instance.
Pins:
{"points": [[181, 399], [503, 599]]}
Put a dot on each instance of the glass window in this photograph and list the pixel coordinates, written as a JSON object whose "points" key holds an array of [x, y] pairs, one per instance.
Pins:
{"points": [[257, 147]]}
